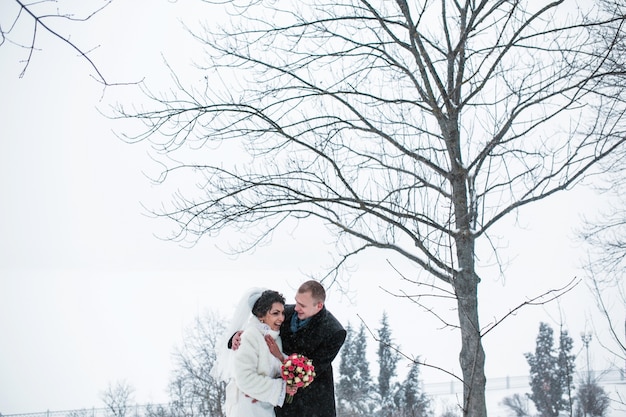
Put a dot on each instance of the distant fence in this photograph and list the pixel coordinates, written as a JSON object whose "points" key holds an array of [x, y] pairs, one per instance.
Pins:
{"points": [[493, 384], [133, 411], [605, 377]]}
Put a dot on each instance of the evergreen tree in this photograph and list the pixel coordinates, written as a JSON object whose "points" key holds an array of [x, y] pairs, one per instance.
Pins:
{"points": [[387, 361], [551, 372], [543, 381], [347, 371], [565, 367], [364, 385], [415, 401], [354, 388]]}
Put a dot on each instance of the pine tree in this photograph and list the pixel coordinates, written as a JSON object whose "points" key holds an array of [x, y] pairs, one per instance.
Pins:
{"points": [[365, 388], [543, 380], [565, 366], [387, 358], [415, 401], [347, 371], [551, 372], [387, 363], [354, 388]]}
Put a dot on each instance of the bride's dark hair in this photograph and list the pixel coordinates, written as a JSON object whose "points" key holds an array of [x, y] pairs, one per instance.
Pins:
{"points": [[265, 302]]}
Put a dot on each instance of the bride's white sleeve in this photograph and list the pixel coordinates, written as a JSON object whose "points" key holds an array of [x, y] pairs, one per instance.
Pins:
{"points": [[249, 359]]}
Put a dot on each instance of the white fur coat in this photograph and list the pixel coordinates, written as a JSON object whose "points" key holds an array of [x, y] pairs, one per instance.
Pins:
{"points": [[257, 375]]}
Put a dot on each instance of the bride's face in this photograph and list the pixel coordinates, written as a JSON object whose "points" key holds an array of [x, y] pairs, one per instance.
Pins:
{"points": [[275, 317]]}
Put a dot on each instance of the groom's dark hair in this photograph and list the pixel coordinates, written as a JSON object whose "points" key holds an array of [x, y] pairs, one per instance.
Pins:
{"points": [[266, 301], [318, 293]]}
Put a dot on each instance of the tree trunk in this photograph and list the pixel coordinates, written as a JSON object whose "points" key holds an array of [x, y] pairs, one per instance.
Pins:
{"points": [[472, 357], [465, 281]]}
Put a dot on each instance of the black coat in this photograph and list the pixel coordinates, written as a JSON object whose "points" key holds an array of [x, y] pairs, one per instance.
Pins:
{"points": [[320, 341]]}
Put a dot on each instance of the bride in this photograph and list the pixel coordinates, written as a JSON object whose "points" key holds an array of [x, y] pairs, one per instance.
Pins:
{"points": [[252, 373]]}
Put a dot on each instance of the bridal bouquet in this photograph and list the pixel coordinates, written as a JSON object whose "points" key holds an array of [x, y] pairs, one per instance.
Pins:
{"points": [[297, 370]]}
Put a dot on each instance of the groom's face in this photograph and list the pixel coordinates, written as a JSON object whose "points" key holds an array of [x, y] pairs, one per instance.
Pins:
{"points": [[306, 306]]}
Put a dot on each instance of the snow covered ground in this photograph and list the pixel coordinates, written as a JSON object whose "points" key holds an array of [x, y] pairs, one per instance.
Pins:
{"points": [[446, 395]]}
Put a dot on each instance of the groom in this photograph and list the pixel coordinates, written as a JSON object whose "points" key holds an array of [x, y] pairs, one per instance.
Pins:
{"points": [[311, 330]]}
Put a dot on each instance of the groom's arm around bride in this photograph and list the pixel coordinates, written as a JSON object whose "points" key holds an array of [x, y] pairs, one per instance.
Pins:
{"points": [[310, 330]]}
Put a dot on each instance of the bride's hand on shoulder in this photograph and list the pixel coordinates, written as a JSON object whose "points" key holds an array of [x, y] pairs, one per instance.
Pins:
{"points": [[273, 346], [236, 340]]}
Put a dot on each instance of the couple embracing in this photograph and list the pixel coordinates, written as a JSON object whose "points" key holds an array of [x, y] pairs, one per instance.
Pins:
{"points": [[251, 361]]}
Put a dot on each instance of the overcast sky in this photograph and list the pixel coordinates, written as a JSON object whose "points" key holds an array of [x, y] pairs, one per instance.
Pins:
{"points": [[89, 296]]}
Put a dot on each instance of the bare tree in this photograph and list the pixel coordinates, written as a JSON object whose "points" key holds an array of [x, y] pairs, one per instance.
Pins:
{"points": [[80, 413], [605, 266], [117, 398], [605, 233], [193, 391], [593, 401], [28, 21], [518, 404], [409, 127]]}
